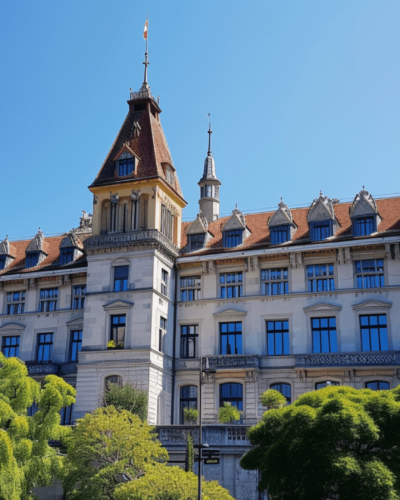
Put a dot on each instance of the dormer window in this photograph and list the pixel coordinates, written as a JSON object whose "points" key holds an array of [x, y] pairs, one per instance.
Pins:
{"points": [[125, 166], [321, 230], [196, 241], [364, 226], [364, 214], [32, 259], [280, 234], [66, 255], [3, 262], [233, 238], [169, 174]]}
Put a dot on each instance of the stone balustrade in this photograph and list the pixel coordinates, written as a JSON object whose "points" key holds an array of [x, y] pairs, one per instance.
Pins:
{"points": [[388, 358], [42, 368], [243, 361], [214, 435]]}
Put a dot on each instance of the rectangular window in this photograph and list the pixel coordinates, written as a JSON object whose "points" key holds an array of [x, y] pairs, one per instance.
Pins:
{"points": [[320, 278], [274, 281], [365, 226], [233, 238], [161, 333], [118, 329], [230, 338], [164, 282], [280, 234], [321, 230], [369, 273], [167, 222], [125, 166], [190, 288], [66, 256], [196, 241], [188, 340], [10, 347], [374, 335], [324, 334], [3, 262], [76, 345], [231, 285], [278, 338], [48, 299], [66, 414], [121, 278], [45, 348], [32, 259], [15, 302], [78, 299]]}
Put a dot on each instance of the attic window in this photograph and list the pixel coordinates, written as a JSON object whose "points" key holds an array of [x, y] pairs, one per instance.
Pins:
{"points": [[363, 226], [321, 230], [233, 238], [66, 255], [32, 259], [196, 241], [125, 166], [280, 234], [140, 107], [169, 175], [3, 261]]}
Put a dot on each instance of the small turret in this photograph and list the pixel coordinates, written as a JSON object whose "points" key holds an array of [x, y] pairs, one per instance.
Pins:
{"points": [[209, 186]]}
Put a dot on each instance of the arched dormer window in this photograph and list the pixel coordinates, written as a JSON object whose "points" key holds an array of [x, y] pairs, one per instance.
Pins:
{"points": [[235, 230], [35, 253], [321, 219], [70, 248], [125, 162], [281, 225], [6, 251], [364, 214]]}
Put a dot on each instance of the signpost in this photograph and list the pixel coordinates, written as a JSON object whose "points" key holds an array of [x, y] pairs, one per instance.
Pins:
{"points": [[210, 457]]}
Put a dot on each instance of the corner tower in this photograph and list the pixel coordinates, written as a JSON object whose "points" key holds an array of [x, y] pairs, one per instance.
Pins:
{"points": [[209, 186]]}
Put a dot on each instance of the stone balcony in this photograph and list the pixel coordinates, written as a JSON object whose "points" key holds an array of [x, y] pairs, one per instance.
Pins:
{"points": [[214, 435], [42, 368], [350, 359], [146, 238], [229, 362]]}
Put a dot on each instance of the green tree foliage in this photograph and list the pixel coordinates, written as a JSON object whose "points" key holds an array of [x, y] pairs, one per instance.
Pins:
{"points": [[337, 443], [190, 415], [189, 454], [127, 397], [107, 447], [26, 459], [173, 481], [273, 399], [228, 414]]}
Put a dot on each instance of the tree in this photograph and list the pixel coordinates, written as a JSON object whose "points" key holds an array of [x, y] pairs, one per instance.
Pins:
{"points": [[228, 414], [107, 447], [190, 415], [273, 399], [127, 397], [189, 453], [26, 459], [337, 443], [163, 480]]}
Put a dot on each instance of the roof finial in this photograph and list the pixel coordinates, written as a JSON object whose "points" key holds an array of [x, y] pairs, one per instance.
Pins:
{"points": [[209, 134], [320, 192], [146, 60]]}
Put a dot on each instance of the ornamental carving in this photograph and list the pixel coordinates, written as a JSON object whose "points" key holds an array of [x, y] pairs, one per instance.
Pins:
{"points": [[177, 435], [235, 361], [45, 369], [350, 359]]}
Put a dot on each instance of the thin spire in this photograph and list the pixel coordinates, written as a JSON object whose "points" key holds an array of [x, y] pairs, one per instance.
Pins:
{"points": [[146, 54], [209, 134]]}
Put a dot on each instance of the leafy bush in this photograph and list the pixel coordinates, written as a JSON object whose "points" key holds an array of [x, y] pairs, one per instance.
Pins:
{"points": [[228, 414], [273, 399], [190, 415], [127, 397]]}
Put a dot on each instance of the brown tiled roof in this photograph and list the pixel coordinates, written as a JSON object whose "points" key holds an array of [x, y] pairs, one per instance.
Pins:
{"points": [[388, 209], [150, 147]]}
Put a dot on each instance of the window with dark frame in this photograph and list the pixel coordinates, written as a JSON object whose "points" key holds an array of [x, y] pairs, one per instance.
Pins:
{"points": [[126, 166], [48, 299], [280, 234], [189, 333], [190, 288], [196, 241], [284, 389], [15, 302], [278, 338], [231, 285], [10, 346], [3, 262], [45, 348], [230, 338], [374, 336], [231, 393], [76, 345], [118, 324], [66, 414], [164, 282], [66, 255], [188, 399], [161, 333], [324, 334], [364, 226], [32, 259], [274, 281], [378, 385], [369, 273], [321, 278], [232, 238], [321, 230], [121, 274], [327, 383], [78, 298]]}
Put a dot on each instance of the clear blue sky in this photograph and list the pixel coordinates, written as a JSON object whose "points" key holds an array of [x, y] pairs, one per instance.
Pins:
{"points": [[304, 95]]}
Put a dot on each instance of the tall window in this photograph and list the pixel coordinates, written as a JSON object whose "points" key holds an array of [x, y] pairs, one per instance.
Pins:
{"points": [[280, 234], [188, 399], [66, 255], [278, 338], [324, 334], [76, 345], [233, 238], [32, 259], [161, 333], [231, 393], [190, 288], [230, 338], [48, 299], [78, 299], [284, 389], [374, 335], [320, 278], [15, 302], [3, 262], [118, 329], [66, 414], [164, 282], [231, 285], [274, 281], [188, 340], [369, 273], [196, 241], [365, 226], [327, 383], [167, 222], [321, 230], [125, 166], [45, 348], [121, 278], [378, 385], [10, 346]]}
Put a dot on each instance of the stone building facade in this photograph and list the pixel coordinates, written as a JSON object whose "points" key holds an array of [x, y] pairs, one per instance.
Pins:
{"points": [[292, 299]]}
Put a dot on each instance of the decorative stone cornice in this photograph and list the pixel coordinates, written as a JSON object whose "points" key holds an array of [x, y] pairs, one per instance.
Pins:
{"points": [[372, 304], [389, 358]]}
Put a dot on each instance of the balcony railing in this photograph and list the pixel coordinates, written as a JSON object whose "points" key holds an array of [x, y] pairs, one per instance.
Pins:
{"points": [[143, 237], [230, 361], [42, 368], [389, 358], [216, 435]]}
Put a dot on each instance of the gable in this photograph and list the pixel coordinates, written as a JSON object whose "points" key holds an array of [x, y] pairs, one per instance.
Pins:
{"points": [[367, 305], [12, 329], [319, 212], [197, 227], [279, 218], [322, 307], [234, 223], [363, 207], [118, 304], [230, 313]]}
